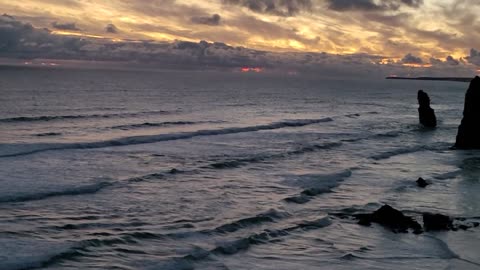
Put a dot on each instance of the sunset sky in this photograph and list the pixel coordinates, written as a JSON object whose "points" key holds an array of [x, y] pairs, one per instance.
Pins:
{"points": [[420, 33]]}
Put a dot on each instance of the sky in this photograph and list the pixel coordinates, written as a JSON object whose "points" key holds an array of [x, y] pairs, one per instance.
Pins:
{"points": [[422, 37]]}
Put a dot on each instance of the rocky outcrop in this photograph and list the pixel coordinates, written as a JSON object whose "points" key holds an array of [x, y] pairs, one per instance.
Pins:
{"points": [[422, 183], [396, 221], [390, 218], [427, 114], [437, 222], [468, 136]]}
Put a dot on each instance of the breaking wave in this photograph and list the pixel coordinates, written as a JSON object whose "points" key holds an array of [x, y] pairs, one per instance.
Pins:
{"points": [[166, 137], [234, 163], [81, 190], [162, 124], [413, 149], [267, 217], [44, 118], [316, 184]]}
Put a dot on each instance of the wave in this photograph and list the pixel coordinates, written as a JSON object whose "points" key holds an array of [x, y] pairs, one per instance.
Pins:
{"points": [[235, 163], [89, 188], [412, 149], [227, 247], [72, 191], [166, 137], [162, 124], [448, 175], [88, 225], [316, 184], [45, 118], [20, 253], [267, 217], [48, 134], [265, 237], [232, 247], [81, 249]]}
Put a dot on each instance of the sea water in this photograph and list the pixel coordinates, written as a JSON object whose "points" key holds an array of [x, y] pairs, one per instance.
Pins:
{"points": [[205, 170]]}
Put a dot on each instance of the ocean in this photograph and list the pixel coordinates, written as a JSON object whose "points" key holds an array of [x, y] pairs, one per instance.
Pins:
{"points": [[206, 170]]}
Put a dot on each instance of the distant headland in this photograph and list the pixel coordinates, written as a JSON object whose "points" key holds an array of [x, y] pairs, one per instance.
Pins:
{"points": [[452, 79]]}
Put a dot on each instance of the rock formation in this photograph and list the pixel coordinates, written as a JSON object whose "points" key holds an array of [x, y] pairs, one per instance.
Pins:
{"points": [[468, 136], [396, 221], [437, 222], [427, 114], [390, 218], [422, 183]]}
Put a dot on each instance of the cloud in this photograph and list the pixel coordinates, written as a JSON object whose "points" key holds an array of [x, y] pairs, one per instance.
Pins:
{"points": [[412, 3], [371, 5], [411, 59], [452, 61], [65, 26], [21, 40], [389, 27], [342, 5], [111, 28], [212, 20], [474, 57], [285, 8]]}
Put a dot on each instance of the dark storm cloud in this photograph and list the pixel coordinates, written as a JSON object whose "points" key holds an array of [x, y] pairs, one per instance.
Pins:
{"points": [[474, 57], [65, 26], [111, 28], [411, 59], [412, 3], [207, 20], [342, 5], [22, 40], [371, 5], [284, 8]]}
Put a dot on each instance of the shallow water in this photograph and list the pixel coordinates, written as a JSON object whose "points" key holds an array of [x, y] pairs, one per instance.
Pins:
{"points": [[210, 170]]}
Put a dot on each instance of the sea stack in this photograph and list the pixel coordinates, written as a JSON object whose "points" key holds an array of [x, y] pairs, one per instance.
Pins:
{"points": [[427, 114], [468, 136]]}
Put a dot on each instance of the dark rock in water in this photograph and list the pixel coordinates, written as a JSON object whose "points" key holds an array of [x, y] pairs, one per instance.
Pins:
{"points": [[427, 114], [422, 183], [468, 136], [396, 221], [466, 226], [174, 171], [390, 218], [301, 199], [437, 222]]}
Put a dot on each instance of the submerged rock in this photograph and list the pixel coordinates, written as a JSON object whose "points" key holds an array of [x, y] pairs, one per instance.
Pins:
{"points": [[437, 222], [390, 218], [422, 183], [468, 136], [427, 114]]}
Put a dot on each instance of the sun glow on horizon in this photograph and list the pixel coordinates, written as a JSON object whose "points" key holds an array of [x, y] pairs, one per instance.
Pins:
{"points": [[251, 69]]}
